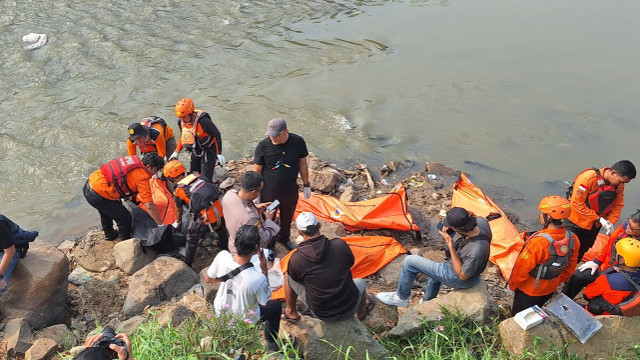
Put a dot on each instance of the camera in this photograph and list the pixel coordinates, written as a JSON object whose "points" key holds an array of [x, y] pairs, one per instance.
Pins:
{"points": [[108, 338]]}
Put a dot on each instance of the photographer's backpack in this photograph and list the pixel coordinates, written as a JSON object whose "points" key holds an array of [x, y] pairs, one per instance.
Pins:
{"points": [[630, 306], [560, 254]]}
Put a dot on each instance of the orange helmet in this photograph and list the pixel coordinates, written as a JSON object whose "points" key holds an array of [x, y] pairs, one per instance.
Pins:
{"points": [[555, 206], [184, 107], [173, 168]]}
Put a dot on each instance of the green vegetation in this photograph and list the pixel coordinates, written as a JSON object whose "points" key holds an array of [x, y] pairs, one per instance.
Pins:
{"points": [[454, 337]]}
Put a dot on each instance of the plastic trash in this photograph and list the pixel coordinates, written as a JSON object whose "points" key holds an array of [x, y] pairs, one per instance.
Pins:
{"points": [[530, 317], [276, 278], [384, 182], [432, 176], [582, 324], [36, 40]]}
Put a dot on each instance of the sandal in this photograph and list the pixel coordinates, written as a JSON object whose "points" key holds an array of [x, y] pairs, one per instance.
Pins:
{"points": [[371, 303], [289, 319]]}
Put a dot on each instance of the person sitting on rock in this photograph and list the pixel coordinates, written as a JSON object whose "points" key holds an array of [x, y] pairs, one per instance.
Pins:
{"points": [[319, 272], [13, 244], [468, 257], [244, 290], [548, 258], [239, 209], [618, 283], [606, 257]]}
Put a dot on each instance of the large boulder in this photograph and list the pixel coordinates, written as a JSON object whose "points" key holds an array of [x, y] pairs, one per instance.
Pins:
{"points": [[390, 273], [94, 253], [59, 333], [41, 349], [157, 282], [473, 302], [175, 315], [130, 256], [38, 288], [332, 340], [616, 338], [325, 180], [129, 326], [17, 336]]}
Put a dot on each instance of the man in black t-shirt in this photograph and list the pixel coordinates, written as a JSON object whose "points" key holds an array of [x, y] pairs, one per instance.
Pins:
{"points": [[8, 256], [279, 158]]}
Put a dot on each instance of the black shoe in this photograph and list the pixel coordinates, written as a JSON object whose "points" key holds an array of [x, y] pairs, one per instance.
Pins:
{"points": [[110, 235]]}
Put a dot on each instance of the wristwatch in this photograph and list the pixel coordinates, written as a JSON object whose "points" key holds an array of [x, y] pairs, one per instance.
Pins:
{"points": [[306, 184]]}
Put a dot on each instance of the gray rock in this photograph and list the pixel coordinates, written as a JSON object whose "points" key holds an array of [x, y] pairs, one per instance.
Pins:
{"points": [[176, 315], [348, 195], [381, 318], [17, 335], [210, 290], [330, 340], [41, 349], [473, 302], [325, 180], [220, 174], [67, 245], [157, 282], [80, 276], [391, 272], [130, 325], [131, 257], [38, 288], [59, 333], [616, 338], [227, 183]]}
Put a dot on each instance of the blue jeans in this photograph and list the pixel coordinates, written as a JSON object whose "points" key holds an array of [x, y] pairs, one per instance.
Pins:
{"points": [[7, 274], [438, 273]]}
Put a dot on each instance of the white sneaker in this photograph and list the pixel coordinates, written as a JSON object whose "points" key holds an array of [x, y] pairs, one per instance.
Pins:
{"points": [[392, 298], [422, 300]]}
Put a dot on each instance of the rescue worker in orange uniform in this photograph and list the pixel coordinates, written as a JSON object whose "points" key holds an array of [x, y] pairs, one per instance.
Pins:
{"points": [[200, 137], [122, 178], [174, 171], [606, 257], [615, 285], [548, 258], [210, 219], [597, 198], [151, 134]]}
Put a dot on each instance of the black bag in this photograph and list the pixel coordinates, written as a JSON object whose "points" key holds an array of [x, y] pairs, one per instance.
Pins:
{"points": [[202, 193], [162, 239]]}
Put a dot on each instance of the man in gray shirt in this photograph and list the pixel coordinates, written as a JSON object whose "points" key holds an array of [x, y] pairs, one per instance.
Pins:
{"points": [[239, 209], [468, 257]]}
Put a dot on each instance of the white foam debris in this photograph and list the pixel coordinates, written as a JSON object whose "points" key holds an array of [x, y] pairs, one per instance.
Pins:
{"points": [[342, 120], [36, 40]]}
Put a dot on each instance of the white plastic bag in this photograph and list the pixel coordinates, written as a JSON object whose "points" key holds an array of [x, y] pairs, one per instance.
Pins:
{"points": [[37, 40], [276, 278]]}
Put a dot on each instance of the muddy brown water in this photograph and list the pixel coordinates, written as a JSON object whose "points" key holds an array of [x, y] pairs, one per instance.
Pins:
{"points": [[529, 92]]}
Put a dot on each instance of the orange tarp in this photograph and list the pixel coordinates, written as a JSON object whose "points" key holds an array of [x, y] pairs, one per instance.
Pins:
{"points": [[506, 243], [163, 199], [371, 254], [387, 212]]}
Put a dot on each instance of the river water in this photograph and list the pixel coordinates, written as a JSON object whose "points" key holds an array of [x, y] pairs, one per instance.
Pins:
{"points": [[534, 90]]}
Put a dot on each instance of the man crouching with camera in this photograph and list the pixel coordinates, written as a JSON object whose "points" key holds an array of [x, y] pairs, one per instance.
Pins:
{"points": [[106, 345]]}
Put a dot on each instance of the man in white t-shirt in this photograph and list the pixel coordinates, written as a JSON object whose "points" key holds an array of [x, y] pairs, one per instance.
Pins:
{"points": [[244, 290]]}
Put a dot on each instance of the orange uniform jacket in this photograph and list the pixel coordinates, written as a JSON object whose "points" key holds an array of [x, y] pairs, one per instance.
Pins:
{"points": [[612, 287], [160, 142], [603, 258], [137, 179], [581, 214], [536, 251]]}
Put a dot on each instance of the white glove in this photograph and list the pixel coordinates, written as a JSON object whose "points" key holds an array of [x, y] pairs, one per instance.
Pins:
{"points": [[589, 265], [176, 224], [222, 160], [174, 156], [307, 192], [608, 227]]}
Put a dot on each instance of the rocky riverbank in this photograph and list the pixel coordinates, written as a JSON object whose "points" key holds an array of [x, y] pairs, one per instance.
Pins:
{"points": [[58, 295]]}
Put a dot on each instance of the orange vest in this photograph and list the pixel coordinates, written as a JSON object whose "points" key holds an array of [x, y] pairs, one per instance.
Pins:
{"points": [[115, 171], [163, 199], [192, 136]]}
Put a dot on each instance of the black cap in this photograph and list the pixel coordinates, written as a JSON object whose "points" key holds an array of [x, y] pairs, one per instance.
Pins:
{"points": [[458, 218], [137, 130]]}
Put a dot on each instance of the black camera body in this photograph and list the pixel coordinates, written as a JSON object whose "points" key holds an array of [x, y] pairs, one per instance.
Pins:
{"points": [[108, 338]]}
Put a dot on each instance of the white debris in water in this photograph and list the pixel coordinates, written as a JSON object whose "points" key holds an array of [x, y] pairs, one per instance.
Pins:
{"points": [[342, 120], [227, 22], [37, 40]]}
